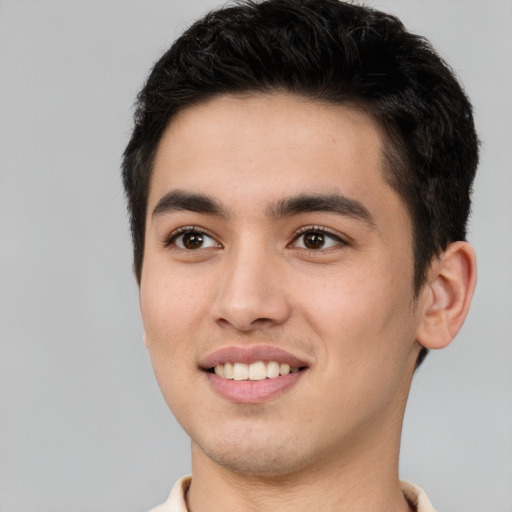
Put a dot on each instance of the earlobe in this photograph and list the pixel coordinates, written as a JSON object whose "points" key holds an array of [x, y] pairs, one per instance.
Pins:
{"points": [[447, 295]]}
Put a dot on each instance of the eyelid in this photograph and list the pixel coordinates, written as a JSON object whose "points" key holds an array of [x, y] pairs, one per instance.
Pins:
{"points": [[320, 229], [169, 240]]}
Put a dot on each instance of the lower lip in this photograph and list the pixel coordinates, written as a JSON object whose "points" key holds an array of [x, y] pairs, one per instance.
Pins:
{"points": [[252, 391]]}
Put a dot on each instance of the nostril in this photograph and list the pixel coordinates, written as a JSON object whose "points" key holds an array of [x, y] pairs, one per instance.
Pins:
{"points": [[244, 323]]}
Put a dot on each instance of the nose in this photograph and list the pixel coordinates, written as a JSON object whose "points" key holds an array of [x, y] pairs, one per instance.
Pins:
{"points": [[251, 293]]}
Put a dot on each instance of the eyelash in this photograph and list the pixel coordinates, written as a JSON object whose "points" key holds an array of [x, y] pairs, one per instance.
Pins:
{"points": [[171, 239], [319, 229]]}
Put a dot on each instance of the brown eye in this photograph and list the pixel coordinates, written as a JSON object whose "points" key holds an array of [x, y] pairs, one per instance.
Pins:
{"points": [[317, 239], [314, 240], [193, 240]]}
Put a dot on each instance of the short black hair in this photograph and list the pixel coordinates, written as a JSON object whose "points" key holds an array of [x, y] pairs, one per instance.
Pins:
{"points": [[329, 51]]}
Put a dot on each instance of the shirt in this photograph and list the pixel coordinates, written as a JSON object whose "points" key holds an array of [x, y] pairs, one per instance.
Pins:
{"points": [[176, 501]]}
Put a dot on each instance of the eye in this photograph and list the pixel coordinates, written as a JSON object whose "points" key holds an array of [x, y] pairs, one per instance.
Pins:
{"points": [[191, 239], [317, 239]]}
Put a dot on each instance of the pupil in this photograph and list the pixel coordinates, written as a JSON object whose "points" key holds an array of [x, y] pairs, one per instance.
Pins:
{"points": [[192, 240], [314, 240]]}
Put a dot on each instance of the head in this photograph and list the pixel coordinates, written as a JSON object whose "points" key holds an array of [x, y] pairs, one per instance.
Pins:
{"points": [[333, 52], [267, 131]]}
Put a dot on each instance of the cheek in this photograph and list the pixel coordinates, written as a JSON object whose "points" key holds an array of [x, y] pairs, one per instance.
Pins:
{"points": [[171, 304], [171, 317], [366, 335], [170, 314], [361, 316]]}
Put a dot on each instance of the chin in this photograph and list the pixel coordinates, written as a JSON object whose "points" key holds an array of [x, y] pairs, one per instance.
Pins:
{"points": [[257, 462], [266, 455]]}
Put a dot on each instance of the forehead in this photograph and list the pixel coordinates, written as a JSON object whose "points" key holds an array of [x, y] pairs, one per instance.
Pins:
{"points": [[253, 149]]}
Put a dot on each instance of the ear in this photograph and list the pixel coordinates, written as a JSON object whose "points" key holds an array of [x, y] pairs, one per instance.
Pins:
{"points": [[447, 295]]}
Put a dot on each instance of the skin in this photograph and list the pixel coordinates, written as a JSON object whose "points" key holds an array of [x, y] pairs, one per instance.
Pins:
{"points": [[347, 308]]}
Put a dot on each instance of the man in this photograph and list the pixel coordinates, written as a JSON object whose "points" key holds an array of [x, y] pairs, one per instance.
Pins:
{"points": [[298, 180]]}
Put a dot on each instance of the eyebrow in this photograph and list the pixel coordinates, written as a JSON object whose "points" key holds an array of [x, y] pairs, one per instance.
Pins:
{"points": [[332, 203], [179, 200]]}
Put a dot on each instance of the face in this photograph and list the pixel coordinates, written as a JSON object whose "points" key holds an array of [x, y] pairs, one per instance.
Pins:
{"points": [[277, 283]]}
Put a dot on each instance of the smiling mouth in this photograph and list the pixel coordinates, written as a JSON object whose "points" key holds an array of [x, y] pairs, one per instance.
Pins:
{"points": [[259, 370]]}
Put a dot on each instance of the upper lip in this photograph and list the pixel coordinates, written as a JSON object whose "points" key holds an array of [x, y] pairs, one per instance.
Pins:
{"points": [[251, 354]]}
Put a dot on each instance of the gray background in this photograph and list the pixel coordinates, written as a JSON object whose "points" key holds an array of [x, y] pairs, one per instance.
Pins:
{"points": [[83, 426]]}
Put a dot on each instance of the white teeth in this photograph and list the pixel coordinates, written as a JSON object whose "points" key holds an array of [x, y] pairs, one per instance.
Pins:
{"points": [[257, 371], [272, 370], [254, 371], [240, 371], [284, 369], [228, 370]]}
